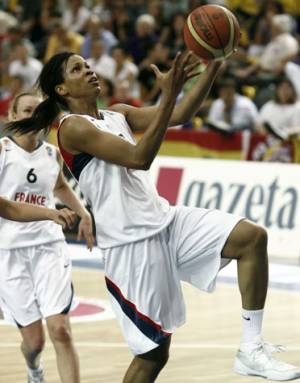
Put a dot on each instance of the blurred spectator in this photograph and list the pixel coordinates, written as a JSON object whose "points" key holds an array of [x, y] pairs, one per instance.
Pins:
{"points": [[124, 69], [61, 39], [37, 34], [37, 24], [263, 28], [24, 66], [76, 17], [172, 35], [50, 10], [143, 39], [100, 62], [155, 9], [13, 38], [15, 86], [231, 111], [170, 7], [291, 7], [107, 91], [96, 30], [122, 25], [278, 116], [282, 48], [246, 12], [292, 72], [158, 54], [6, 21], [25, 9], [102, 9], [283, 45], [123, 95]]}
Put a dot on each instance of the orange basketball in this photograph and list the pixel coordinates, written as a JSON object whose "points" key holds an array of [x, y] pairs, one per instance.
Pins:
{"points": [[211, 32]]}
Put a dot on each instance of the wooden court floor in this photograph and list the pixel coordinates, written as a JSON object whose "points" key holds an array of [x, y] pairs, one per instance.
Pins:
{"points": [[203, 349]]}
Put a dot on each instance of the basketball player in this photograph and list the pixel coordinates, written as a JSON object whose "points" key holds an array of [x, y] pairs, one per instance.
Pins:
{"points": [[23, 212], [148, 246], [35, 273]]}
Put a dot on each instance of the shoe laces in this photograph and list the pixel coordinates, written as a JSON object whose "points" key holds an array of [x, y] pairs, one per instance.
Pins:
{"points": [[264, 350], [272, 348]]}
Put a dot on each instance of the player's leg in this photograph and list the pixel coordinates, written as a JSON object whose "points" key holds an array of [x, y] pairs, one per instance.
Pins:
{"points": [[248, 244], [19, 305], [147, 306], [66, 356], [146, 367], [51, 267], [200, 238], [33, 341]]}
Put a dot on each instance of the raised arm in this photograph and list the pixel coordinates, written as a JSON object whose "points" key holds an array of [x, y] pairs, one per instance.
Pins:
{"points": [[139, 119], [79, 135]]}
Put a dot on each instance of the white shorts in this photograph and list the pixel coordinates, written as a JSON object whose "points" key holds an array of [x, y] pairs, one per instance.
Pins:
{"points": [[143, 277], [35, 282]]}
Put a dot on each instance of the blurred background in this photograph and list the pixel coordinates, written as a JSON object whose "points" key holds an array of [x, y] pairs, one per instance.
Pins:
{"points": [[256, 96], [253, 110]]}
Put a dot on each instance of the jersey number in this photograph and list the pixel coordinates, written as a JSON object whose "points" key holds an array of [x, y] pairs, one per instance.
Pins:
{"points": [[31, 177]]}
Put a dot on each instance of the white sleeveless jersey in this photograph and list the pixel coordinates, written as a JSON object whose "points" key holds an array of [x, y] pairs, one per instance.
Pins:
{"points": [[31, 178], [125, 202]]}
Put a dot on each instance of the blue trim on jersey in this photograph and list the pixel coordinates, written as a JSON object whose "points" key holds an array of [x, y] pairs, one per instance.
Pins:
{"points": [[79, 163], [149, 328]]}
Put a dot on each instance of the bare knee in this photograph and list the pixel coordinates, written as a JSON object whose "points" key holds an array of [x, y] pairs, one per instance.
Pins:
{"points": [[33, 347], [254, 244], [245, 240], [60, 333], [259, 240]]}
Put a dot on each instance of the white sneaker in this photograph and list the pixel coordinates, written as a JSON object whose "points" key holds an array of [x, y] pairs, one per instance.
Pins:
{"points": [[36, 376], [255, 358]]}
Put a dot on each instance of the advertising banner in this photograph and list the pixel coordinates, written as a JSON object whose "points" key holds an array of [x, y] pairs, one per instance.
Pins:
{"points": [[266, 193]]}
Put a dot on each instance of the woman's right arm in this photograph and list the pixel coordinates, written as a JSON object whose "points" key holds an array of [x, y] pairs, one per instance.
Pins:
{"points": [[79, 135], [18, 211]]}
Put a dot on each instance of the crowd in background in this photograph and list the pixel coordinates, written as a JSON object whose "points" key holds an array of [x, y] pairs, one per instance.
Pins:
{"points": [[258, 89]]}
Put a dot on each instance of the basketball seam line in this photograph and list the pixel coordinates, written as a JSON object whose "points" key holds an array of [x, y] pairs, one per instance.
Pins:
{"points": [[229, 47], [216, 32], [214, 51]]}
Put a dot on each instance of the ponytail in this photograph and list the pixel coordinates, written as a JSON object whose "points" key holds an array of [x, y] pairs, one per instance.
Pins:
{"points": [[47, 111], [42, 118]]}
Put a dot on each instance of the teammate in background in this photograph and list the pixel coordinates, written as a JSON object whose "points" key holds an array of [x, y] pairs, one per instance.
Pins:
{"points": [[148, 246], [35, 273], [23, 212]]}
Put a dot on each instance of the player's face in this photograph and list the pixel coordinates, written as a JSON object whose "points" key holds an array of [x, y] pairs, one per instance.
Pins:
{"points": [[26, 106], [285, 93], [79, 79]]}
